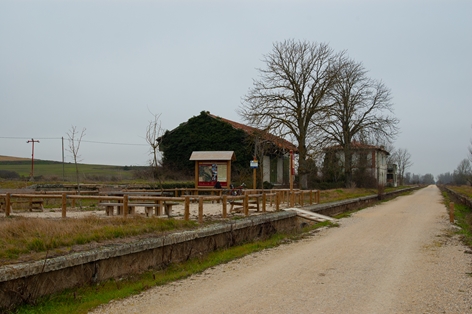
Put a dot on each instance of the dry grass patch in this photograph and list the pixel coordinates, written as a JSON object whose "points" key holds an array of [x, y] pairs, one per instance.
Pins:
{"points": [[343, 194], [24, 239], [463, 189]]}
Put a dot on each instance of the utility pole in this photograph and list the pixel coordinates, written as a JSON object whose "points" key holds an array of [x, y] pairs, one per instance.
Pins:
{"points": [[32, 141]]}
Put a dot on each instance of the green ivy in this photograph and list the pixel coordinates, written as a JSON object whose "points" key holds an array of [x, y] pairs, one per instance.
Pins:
{"points": [[204, 133]]}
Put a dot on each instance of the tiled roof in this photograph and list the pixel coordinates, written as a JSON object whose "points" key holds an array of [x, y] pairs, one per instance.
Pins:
{"points": [[278, 141], [359, 146], [213, 155]]}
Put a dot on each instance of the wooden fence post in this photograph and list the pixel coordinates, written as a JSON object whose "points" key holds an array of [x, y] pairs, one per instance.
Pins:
{"points": [[264, 200], [200, 209], [73, 200], [246, 205], [451, 212], [225, 210], [160, 208], [187, 208], [7, 205], [64, 204], [125, 206], [277, 201]]}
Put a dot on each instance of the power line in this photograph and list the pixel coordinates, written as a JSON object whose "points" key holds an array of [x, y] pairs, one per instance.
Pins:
{"points": [[59, 138], [110, 143], [28, 138]]}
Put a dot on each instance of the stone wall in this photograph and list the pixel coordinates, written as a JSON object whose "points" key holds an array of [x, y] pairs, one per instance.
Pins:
{"points": [[21, 283], [25, 282]]}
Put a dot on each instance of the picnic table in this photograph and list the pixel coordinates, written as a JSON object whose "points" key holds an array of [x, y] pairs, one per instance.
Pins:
{"points": [[150, 207]]}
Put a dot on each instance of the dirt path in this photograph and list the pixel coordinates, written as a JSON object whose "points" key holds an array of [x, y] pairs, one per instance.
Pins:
{"points": [[398, 257]]}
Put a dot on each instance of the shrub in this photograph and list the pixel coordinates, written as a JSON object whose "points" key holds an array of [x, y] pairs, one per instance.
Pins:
{"points": [[8, 174]]}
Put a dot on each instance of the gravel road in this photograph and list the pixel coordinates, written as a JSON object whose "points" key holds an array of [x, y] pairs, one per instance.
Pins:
{"points": [[397, 257]]}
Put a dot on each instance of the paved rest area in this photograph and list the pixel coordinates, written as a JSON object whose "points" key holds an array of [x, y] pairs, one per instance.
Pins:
{"points": [[397, 257]]}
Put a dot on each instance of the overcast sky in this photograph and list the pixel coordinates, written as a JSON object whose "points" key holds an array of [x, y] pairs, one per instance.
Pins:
{"points": [[107, 65]]}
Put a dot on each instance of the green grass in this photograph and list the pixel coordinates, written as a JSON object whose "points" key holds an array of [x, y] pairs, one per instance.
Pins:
{"points": [[86, 298], [463, 218], [53, 169]]}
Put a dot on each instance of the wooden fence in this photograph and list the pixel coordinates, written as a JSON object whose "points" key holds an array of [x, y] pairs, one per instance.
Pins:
{"points": [[246, 200]]}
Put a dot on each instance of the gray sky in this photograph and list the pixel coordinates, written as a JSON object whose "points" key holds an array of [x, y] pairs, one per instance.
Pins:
{"points": [[105, 65]]}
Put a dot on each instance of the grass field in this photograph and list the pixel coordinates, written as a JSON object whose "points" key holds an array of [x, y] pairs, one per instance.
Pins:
{"points": [[55, 171]]}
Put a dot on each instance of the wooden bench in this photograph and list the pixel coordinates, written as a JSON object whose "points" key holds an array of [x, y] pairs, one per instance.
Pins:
{"points": [[157, 208], [36, 204], [3, 206], [148, 208], [250, 204], [33, 204]]}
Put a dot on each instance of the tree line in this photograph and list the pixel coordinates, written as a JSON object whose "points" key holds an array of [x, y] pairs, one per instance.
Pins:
{"points": [[462, 174]]}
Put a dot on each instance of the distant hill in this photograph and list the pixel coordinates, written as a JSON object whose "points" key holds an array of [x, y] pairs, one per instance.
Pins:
{"points": [[10, 158], [56, 169]]}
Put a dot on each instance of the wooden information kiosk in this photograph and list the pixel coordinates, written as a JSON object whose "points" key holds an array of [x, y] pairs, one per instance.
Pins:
{"points": [[212, 167]]}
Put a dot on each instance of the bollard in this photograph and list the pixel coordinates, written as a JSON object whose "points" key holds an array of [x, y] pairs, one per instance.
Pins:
{"points": [[451, 212]]}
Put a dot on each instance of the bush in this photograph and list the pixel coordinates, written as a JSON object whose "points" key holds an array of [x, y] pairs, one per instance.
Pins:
{"points": [[7, 174]]}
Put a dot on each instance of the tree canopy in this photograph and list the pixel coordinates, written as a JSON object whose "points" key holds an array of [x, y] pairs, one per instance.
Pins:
{"points": [[203, 133], [291, 93], [317, 96]]}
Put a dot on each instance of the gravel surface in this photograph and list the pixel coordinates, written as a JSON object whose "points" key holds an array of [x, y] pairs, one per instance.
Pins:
{"points": [[397, 257]]}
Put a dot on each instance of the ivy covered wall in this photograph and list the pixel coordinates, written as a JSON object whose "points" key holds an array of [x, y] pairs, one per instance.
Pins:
{"points": [[204, 133]]}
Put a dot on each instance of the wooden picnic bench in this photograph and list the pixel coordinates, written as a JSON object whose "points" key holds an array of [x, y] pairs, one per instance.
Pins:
{"points": [[148, 208], [250, 203], [32, 204]]}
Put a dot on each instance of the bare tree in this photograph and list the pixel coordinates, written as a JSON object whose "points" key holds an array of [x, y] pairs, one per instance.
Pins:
{"points": [[463, 173], [361, 107], [402, 158], [74, 145], [153, 132], [291, 93]]}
